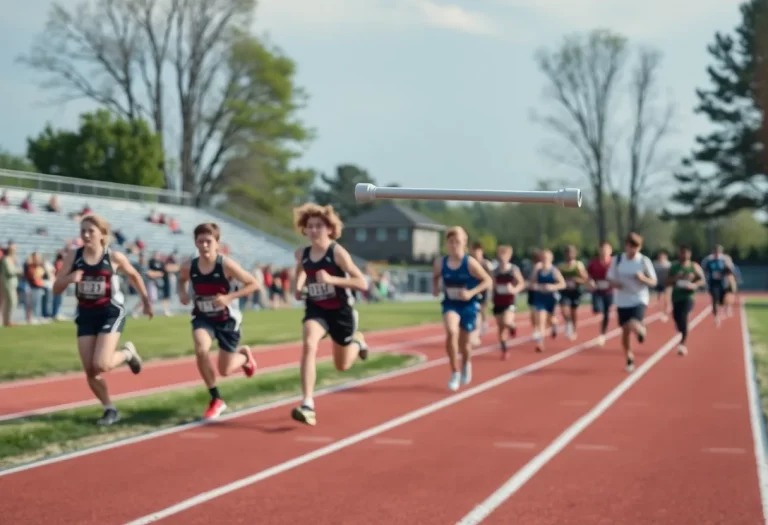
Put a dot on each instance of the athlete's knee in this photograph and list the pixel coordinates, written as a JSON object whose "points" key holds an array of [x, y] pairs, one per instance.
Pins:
{"points": [[99, 366], [202, 350]]}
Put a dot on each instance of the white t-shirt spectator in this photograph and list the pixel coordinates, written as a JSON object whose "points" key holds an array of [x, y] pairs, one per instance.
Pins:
{"points": [[633, 292]]}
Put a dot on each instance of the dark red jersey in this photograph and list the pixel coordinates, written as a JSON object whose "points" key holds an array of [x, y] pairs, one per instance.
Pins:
{"points": [[501, 280], [598, 272], [206, 286], [100, 284], [324, 295]]}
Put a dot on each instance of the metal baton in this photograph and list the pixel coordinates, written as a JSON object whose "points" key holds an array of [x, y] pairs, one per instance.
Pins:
{"points": [[566, 197]]}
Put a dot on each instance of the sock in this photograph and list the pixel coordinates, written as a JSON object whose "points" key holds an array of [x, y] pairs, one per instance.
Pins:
{"points": [[214, 392], [109, 406], [308, 402]]}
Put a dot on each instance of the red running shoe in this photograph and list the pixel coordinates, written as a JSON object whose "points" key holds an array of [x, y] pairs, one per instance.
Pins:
{"points": [[215, 408], [249, 368]]}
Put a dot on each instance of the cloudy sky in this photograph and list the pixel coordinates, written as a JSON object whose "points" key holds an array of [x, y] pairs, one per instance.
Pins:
{"points": [[421, 92]]}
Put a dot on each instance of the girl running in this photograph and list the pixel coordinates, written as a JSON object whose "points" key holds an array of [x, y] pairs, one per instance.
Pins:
{"points": [[482, 299], [93, 269], [631, 274], [216, 313], [463, 278], [661, 267], [715, 266], [685, 277], [325, 277], [602, 293], [575, 275], [546, 281], [507, 283]]}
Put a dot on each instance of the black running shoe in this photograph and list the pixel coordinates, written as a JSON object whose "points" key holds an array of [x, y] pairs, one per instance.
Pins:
{"points": [[304, 414], [133, 358], [110, 417]]}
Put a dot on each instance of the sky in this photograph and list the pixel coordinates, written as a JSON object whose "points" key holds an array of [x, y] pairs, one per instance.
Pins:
{"points": [[425, 93]]}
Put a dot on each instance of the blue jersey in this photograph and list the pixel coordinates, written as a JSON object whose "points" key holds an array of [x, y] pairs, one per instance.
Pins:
{"points": [[714, 269], [546, 277], [455, 280]]}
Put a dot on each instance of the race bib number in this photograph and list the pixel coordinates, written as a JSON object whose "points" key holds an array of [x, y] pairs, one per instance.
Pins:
{"points": [[502, 289], [318, 290], [570, 284], [717, 275], [603, 285], [683, 283], [454, 293], [93, 287], [206, 305]]}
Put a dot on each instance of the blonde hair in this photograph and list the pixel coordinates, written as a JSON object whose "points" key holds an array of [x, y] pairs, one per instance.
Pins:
{"points": [[327, 214], [455, 231], [504, 248], [101, 224]]}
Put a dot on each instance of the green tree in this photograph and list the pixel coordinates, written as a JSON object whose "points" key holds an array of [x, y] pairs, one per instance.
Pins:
{"points": [[234, 94], [339, 190], [9, 161], [489, 244], [727, 171], [104, 148], [741, 233]]}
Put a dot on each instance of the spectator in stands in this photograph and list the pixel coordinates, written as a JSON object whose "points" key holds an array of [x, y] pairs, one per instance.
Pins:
{"points": [[58, 264], [87, 210], [46, 300], [41, 231], [53, 205], [153, 217], [285, 280], [170, 269], [26, 204], [269, 283], [140, 244], [258, 296], [9, 282], [4, 199], [119, 237], [173, 224], [156, 273], [34, 273]]}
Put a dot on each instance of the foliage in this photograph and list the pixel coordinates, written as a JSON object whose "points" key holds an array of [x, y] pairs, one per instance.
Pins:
{"points": [[104, 148], [726, 170], [234, 94], [339, 190], [9, 161]]}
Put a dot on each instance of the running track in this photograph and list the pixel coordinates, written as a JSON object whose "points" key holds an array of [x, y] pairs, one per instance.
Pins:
{"points": [[561, 438]]}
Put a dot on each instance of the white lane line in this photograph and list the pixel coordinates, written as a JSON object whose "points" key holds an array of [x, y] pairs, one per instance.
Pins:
{"points": [[723, 450], [595, 448], [515, 444], [521, 477], [275, 404], [755, 414], [366, 434], [314, 439], [393, 441]]}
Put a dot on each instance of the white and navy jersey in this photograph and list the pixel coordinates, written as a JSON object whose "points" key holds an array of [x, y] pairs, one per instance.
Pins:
{"points": [[206, 286], [100, 285], [715, 269], [324, 295]]}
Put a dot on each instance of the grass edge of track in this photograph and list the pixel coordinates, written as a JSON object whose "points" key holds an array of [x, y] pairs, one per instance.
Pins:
{"points": [[40, 437], [757, 322]]}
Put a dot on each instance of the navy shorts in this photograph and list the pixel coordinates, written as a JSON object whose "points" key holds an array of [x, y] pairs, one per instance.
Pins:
{"points": [[601, 302], [94, 321], [226, 333], [545, 302], [627, 314], [467, 314]]}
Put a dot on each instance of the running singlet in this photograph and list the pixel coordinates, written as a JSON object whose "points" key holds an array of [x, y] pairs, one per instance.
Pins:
{"points": [[569, 274], [687, 275], [456, 280], [324, 295], [663, 271], [100, 285], [546, 277], [206, 287], [598, 272], [503, 278], [714, 269]]}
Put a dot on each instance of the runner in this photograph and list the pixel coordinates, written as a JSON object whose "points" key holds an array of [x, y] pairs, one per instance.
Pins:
{"points": [[536, 258], [507, 283], [100, 320], [600, 287], [661, 266], [731, 289], [575, 275], [482, 299], [216, 313], [546, 281], [325, 277], [685, 277], [463, 278], [715, 266], [631, 274]]}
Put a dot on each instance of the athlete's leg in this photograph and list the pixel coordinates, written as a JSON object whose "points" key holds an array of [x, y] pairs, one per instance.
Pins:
{"points": [[203, 340], [451, 320], [232, 360], [314, 331], [86, 346], [680, 313]]}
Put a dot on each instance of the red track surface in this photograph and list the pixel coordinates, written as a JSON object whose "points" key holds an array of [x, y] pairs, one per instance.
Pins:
{"points": [[642, 461]]}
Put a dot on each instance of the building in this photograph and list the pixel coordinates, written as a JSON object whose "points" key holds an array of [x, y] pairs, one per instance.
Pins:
{"points": [[394, 233]]}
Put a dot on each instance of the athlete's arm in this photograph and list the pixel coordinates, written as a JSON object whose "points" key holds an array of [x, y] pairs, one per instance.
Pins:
{"points": [[477, 271], [559, 282], [437, 270], [518, 276], [613, 274], [233, 270], [124, 266], [532, 276], [648, 275], [583, 276], [299, 275], [355, 281], [66, 276], [182, 286], [699, 274]]}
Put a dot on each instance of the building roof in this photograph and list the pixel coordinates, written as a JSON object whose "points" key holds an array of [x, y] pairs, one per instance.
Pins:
{"points": [[391, 214]]}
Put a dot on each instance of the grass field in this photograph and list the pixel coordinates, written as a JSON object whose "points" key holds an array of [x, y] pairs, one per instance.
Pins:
{"points": [[47, 435], [29, 351], [757, 317]]}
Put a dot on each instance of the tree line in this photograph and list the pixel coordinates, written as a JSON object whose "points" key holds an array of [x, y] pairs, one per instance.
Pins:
{"points": [[191, 98]]}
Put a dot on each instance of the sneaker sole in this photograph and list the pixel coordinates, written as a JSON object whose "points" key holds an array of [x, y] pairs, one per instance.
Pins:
{"points": [[297, 415]]}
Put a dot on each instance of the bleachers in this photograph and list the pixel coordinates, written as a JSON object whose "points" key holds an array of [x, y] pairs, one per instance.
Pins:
{"points": [[130, 217]]}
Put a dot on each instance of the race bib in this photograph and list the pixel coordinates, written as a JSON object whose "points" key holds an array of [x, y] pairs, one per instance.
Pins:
{"points": [[502, 289], [318, 290], [570, 283], [603, 285], [683, 283], [206, 305], [717, 275], [453, 293], [92, 287]]}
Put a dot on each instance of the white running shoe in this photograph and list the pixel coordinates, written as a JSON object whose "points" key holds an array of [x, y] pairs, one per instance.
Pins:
{"points": [[682, 350], [466, 374], [601, 341], [453, 384]]}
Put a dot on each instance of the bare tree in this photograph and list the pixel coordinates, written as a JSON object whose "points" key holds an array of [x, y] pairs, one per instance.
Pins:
{"points": [[583, 76], [136, 56], [652, 120]]}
